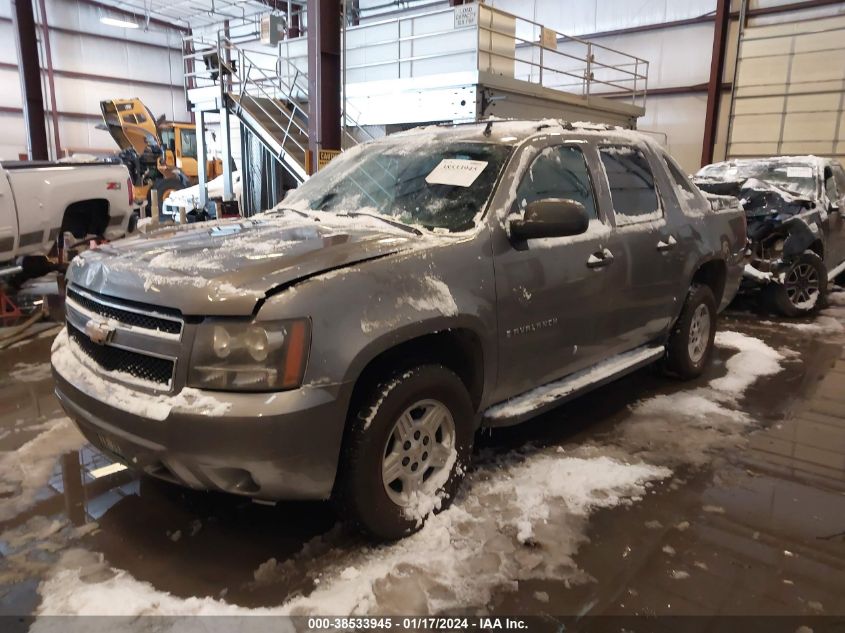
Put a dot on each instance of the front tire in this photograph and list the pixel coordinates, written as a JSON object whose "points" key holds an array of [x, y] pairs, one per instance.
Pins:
{"points": [[803, 290], [406, 452], [691, 342]]}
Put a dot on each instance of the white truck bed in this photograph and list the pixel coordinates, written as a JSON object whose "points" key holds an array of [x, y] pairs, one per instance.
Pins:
{"points": [[40, 199]]}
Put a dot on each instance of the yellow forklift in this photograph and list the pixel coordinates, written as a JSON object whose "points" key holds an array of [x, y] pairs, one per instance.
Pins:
{"points": [[159, 154]]}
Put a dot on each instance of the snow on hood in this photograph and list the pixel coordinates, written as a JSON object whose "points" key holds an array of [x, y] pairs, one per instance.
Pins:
{"points": [[225, 267]]}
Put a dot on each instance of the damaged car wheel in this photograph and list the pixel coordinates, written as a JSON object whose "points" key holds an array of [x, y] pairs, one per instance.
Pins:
{"points": [[407, 451], [803, 288]]}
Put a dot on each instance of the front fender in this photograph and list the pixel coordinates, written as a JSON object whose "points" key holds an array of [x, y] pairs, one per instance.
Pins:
{"points": [[800, 236]]}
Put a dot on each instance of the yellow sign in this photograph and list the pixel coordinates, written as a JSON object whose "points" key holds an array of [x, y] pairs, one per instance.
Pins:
{"points": [[324, 157], [548, 38]]}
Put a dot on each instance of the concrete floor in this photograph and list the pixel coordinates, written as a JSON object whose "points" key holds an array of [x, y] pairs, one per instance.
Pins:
{"points": [[750, 520]]}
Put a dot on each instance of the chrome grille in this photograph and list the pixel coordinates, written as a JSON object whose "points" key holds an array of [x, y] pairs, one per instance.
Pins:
{"points": [[146, 317], [111, 358]]}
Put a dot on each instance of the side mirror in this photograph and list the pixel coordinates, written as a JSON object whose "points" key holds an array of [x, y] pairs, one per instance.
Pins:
{"points": [[552, 217]]}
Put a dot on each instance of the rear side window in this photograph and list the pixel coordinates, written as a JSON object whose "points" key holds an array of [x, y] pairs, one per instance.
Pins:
{"points": [[687, 192], [558, 172], [839, 179], [631, 184]]}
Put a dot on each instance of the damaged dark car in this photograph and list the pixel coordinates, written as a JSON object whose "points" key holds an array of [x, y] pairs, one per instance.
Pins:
{"points": [[794, 207]]}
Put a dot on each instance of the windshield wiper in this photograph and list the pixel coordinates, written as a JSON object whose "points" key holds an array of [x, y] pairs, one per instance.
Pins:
{"points": [[286, 209], [398, 225]]}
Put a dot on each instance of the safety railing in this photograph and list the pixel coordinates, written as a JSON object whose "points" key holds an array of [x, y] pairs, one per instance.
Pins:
{"points": [[482, 38], [470, 38], [255, 73]]}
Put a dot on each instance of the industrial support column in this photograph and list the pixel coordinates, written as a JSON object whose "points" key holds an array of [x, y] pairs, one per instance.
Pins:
{"points": [[714, 87], [30, 72], [323, 77], [202, 159], [224, 63]]}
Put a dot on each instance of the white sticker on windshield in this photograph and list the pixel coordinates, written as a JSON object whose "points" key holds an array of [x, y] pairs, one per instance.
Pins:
{"points": [[799, 172], [457, 172]]}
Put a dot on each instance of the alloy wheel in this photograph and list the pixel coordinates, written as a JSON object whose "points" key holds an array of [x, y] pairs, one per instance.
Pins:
{"points": [[699, 333], [418, 454], [802, 285]]}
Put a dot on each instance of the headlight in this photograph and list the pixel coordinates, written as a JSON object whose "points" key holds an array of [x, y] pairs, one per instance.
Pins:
{"points": [[249, 356]]}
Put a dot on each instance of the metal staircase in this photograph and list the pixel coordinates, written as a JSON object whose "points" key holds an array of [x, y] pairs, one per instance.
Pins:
{"points": [[268, 95]]}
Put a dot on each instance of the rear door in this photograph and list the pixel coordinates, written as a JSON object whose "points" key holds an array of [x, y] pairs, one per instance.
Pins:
{"points": [[646, 301], [552, 293]]}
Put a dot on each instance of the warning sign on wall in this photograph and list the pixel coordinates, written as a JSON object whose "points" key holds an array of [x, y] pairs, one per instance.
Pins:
{"points": [[548, 38], [324, 157], [466, 15]]}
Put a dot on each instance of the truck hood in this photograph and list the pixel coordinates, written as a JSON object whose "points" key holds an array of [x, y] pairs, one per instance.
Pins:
{"points": [[758, 198], [226, 268]]}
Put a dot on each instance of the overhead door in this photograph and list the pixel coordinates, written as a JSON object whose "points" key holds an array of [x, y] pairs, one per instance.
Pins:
{"points": [[790, 89]]}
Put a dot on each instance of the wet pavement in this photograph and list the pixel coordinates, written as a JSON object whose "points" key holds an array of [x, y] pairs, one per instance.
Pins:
{"points": [[738, 507]]}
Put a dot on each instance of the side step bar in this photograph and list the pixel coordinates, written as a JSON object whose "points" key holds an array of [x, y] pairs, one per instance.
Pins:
{"points": [[548, 396]]}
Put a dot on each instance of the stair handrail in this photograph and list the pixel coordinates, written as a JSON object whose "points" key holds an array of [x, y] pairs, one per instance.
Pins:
{"points": [[245, 78]]}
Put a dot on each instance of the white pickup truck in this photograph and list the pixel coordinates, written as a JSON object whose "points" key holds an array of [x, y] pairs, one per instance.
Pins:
{"points": [[41, 200]]}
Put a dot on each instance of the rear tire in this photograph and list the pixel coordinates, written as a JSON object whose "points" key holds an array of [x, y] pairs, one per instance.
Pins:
{"points": [[691, 342], [803, 290], [406, 452]]}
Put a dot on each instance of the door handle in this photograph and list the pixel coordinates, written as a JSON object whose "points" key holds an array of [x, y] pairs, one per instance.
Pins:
{"points": [[599, 259], [669, 244]]}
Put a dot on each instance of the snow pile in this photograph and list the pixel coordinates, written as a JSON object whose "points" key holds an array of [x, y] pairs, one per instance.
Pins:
{"points": [[712, 418], [25, 471], [75, 367], [115, 592], [30, 372], [423, 504], [456, 561], [824, 324]]}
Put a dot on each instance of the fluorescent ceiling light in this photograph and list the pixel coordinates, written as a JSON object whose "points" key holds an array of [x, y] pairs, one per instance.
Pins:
{"points": [[124, 24]]}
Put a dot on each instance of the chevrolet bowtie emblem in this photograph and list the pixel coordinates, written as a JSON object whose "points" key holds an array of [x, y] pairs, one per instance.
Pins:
{"points": [[100, 332]]}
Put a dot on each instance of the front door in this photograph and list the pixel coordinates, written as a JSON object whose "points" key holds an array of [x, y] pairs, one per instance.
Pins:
{"points": [[552, 293]]}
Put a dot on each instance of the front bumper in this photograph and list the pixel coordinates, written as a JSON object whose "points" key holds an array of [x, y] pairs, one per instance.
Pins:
{"points": [[282, 445]]}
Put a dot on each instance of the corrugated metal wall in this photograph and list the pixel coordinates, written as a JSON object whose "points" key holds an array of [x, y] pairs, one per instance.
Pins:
{"points": [[92, 61], [790, 90]]}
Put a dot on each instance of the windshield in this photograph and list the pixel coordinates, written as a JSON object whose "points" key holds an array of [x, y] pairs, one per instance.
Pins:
{"points": [[439, 184], [796, 177]]}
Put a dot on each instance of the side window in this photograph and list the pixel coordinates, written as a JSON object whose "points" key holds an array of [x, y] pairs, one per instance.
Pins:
{"points": [[688, 193], [839, 179], [189, 143], [558, 172], [631, 184], [166, 137]]}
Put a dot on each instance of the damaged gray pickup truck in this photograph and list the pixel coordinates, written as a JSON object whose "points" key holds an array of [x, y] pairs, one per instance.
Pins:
{"points": [[794, 206], [349, 343]]}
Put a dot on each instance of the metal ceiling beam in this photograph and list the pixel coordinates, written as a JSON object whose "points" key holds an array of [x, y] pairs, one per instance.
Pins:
{"points": [[30, 74]]}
